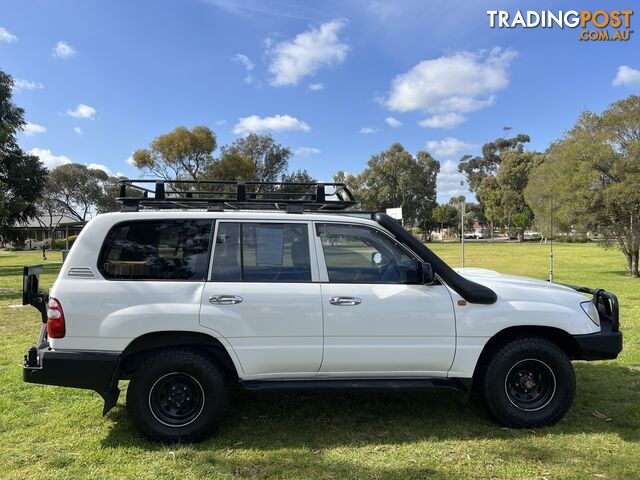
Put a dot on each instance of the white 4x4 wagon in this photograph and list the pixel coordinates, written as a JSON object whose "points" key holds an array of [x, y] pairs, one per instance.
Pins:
{"points": [[280, 288]]}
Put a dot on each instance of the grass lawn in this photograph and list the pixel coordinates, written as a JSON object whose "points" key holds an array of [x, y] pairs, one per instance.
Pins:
{"points": [[52, 432]]}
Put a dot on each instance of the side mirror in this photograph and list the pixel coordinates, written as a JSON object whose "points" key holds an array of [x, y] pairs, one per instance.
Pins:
{"points": [[376, 258], [427, 274]]}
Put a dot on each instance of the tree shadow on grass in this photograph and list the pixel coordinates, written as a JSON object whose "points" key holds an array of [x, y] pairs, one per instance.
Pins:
{"points": [[606, 402]]}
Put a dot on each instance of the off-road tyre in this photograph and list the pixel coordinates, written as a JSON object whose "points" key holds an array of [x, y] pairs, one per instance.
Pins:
{"points": [[178, 395], [528, 382]]}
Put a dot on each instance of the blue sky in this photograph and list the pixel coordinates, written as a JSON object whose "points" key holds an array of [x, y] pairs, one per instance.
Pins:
{"points": [[336, 81]]}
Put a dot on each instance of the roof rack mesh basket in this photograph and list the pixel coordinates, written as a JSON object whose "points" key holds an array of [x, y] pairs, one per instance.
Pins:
{"points": [[145, 194]]}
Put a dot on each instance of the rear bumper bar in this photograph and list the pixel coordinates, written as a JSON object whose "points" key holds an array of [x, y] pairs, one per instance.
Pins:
{"points": [[96, 371]]}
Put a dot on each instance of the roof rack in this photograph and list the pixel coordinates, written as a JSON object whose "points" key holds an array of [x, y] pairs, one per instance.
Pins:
{"points": [[292, 197]]}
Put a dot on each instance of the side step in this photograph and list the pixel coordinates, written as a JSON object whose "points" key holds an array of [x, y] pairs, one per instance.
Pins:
{"points": [[368, 384]]}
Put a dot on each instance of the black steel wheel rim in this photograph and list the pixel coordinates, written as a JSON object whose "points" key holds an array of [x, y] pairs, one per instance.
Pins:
{"points": [[530, 385], [176, 399]]}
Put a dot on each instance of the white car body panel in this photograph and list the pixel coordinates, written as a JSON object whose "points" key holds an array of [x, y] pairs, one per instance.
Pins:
{"points": [[397, 329], [279, 331], [521, 301], [276, 329]]}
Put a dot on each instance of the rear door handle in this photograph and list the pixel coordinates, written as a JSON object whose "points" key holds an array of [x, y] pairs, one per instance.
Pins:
{"points": [[225, 299], [345, 301]]}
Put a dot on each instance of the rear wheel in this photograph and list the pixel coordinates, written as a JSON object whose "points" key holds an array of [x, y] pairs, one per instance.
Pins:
{"points": [[177, 395], [529, 382]]}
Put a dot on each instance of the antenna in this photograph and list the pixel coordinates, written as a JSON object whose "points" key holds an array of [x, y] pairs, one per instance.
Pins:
{"points": [[551, 234]]}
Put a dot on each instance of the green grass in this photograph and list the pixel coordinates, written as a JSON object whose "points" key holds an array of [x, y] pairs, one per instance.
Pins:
{"points": [[50, 432]]}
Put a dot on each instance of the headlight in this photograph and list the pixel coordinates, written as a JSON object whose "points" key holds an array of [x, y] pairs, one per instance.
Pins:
{"points": [[591, 311]]}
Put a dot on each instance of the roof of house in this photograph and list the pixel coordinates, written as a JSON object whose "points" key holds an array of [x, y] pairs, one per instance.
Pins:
{"points": [[44, 221]]}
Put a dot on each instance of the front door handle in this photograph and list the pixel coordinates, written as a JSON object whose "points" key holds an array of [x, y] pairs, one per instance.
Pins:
{"points": [[345, 301], [225, 299]]}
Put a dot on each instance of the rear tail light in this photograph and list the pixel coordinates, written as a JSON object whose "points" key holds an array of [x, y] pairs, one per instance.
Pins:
{"points": [[55, 319]]}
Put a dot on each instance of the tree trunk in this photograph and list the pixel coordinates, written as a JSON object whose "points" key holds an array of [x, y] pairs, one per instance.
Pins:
{"points": [[633, 264]]}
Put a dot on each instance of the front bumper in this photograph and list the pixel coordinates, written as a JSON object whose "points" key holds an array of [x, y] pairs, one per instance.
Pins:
{"points": [[96, 371], [603, 345], [607, 343]]}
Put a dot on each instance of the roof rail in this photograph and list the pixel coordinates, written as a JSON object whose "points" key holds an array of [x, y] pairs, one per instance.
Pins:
{"points": [[233, 195]]}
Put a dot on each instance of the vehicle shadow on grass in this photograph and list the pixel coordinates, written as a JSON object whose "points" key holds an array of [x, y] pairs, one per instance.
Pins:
{"points": [[606, 402]]}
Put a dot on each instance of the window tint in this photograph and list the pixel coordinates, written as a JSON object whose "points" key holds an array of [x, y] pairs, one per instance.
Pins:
{"points": [[226, 253], [156, 250], [262, 252], [355, 254]]}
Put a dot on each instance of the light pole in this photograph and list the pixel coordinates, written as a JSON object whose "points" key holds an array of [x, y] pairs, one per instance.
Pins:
{"points": [[462, 229], [551, 234]]}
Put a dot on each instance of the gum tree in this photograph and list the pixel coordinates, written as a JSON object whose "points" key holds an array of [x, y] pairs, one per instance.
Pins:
{"points": [[593, 176], [22, 176]]}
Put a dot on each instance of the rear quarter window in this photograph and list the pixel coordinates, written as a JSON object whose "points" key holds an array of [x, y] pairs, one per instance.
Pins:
{"points": [[156, 250]]}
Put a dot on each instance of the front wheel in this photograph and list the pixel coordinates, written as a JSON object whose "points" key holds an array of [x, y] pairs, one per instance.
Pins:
{"points": [[529, 382], [177, 395]]}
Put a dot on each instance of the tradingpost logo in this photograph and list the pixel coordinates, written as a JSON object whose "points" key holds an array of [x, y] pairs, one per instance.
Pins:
{"points": [[594, 25]]}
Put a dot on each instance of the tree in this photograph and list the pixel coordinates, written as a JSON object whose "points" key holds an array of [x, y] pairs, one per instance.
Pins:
{"points": [[445, 215], [512, 179], [22, 176], [75, 190], [178, 155], [593, 173], [106, 202], [472, 214], [395, 178], [499, 178], [269, 158], [477, 168], [232, 166]]}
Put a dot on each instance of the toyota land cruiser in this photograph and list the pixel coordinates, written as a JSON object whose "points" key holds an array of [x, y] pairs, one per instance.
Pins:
{"points": [[195, 286]]}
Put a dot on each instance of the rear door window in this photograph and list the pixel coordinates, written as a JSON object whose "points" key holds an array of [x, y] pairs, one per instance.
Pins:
{"points": [[262, 252], [156, 250]]}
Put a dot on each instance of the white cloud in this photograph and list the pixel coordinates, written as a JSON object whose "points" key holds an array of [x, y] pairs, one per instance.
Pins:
{"points": [[243, 60], [99, 166], [448, 147], [63, 50], [19, 85], [78, 130], [6, 36], [384, 8], [316, 87], [367, 130], [277, 123], [82, 111], [309, 51], [627, 77], [33, 129], [220, 123], [304, 151], [448, 181], [248, 65], [50, 160], [452, 85], [129, 160], [393, 122], [445, 120], [120, 174]]}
